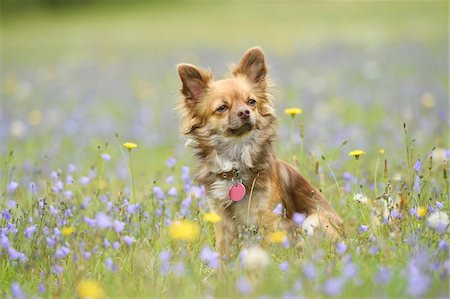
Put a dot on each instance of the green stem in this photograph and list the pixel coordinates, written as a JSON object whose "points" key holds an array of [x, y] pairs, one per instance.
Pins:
{"points": [[130, 166]]}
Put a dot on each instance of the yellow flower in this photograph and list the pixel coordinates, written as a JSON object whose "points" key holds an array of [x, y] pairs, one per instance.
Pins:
{"points": [[421, 211], [381, 151], [183, 230], [89, 289], [212, 217], [67, 231], [129, 145], [356, 153], [277, 237], [293, 111]]}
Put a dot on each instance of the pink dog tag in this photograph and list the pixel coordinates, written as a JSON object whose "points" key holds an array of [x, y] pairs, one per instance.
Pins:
{"points": [[237, 192]]}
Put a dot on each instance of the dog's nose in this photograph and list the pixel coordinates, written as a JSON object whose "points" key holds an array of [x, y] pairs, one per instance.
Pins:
{"points": [[243, 113]]}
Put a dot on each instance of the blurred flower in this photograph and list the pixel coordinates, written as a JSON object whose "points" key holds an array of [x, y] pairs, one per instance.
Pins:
{"points": [[363, 228], [209, 257], [357, 153], [212, 217], [41, 288], [277, 237], [298, 218], [62, 252], [184, 230], [443, 245], [13, 254], [255, 258], [164, 262], [103, 221], [172, 192], [179, 269], [416, 186], [439, 205], [106, 157], [438, 221], [158, 192], [110, 265], [128, 240], [17, 291], [293, 111], [243, 286], [333, 286], [71, 168], [12, 186], [84, 180], [421, 211], [4, 241], [383, 275], [284, 266], [418, 165], [89, 289], [278, 209], [67, 231], [57, 269], [171, 162], [418, 282], [29, 231], [129, 145], [118, 226], [309, 270], [381, 151], [131, 209], [341, 248]]}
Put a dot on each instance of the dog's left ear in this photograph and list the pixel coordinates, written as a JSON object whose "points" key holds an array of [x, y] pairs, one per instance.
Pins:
{"points": [[252, 65]]}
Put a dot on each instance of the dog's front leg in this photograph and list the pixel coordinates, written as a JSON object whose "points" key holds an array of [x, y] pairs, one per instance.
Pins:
{"points": [[226, 236]]}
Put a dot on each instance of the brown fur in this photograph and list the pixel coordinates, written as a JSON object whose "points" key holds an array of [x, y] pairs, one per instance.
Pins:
{"points": [[223, 139]]}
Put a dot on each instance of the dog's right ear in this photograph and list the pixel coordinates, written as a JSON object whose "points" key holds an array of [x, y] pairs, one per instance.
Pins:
{"points": [[195, 82]]}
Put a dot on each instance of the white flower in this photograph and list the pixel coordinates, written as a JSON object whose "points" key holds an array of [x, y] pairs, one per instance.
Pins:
{"points": [[359, 197], [438, 220], [255, 258]]}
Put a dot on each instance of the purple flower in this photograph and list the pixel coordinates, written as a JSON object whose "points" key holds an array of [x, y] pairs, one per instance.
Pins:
{"points": [[243, 286], [171, 162], [363, 228], [119, 226], [439, 205], [443, 245], [416, 186], [309, 270], [170, 180], [333, 286], [164, 262], [350, 270], [13, 254], [29, 231], [103, 221], [41, 288], [71, 168], [185, 206], [86, 254], [278, 209], [383, 276], [395, 214], [179, 269], [298, 218], [84, 180], [131, 209], [418, 166], [284, 266], [17, 291], [128, 240], [209, 257], [110, 265], [341, 248], [158, 192], [11, 204], [12, 186], [90, 222], [32, 187], [50, 241], [106, 157], [4, 241], [418, 282], [115, 245], [57, 270], [62, 252], [373, 250], [172, 192]]}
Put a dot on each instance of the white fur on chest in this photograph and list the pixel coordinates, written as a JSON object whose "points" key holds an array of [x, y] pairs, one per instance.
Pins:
{"points": [[233, 153]]}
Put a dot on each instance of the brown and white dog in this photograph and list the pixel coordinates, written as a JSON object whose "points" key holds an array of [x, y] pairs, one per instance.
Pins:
{"points": [[231, 126]]}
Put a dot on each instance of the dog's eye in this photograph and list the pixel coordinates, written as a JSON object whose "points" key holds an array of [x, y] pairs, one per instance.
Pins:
{"points": [[222, 108], [251, 102]]}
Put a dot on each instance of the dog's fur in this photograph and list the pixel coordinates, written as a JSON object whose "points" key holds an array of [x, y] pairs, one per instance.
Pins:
{"points": [[231, 125]]}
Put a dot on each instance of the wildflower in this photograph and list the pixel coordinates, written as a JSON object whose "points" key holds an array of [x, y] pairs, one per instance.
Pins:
{"points": [[171, 162], [62, 252], [17, 291], [118, 226], [4, 241], [164, 262], [158, 192], [418, 282], [185, 207], [350, 270], [421, 211], [128, 240], [184, 230], [170, 180], [293, 111], [131, 209], [416, 186], [243, 286], [278, 209], [210, 257], [357, 153], [212, 217], [418, 166], [298, 218], [438, 221], [443, 245], [277, 237], [13, 254], [71, 168], [341, 248], [57, 270], [439, 205], [172, 192], [381, 151], [129, 145], [179, 269], [284, 266], [67, 231], [89, 289], [333, 286], [84, 180], [41, 288], [255, 258], [105, 157], [103, 221], [309, 270], [110, 265], [115, 245], [383, 276], [29, 231], [363, 228]]}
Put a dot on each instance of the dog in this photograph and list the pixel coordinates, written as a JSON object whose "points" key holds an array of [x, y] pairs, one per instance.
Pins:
{"points": [[231, 126]]}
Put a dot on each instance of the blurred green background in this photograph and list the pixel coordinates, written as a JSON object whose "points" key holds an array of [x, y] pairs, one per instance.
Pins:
{"points": [[75, 73]]}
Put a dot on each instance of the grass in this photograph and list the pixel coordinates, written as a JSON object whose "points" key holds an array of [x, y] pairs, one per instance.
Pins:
{"points": [[73, 78]]}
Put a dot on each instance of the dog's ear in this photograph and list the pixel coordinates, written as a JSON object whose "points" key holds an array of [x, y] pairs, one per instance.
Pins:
{"points": [[195, 81], [252, 65]]}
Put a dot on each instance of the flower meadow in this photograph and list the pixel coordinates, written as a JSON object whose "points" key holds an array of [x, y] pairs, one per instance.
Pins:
{"points": [[98, 197]]}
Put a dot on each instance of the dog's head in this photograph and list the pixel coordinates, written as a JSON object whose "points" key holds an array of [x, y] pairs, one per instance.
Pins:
{"points": [[231, 108]]}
